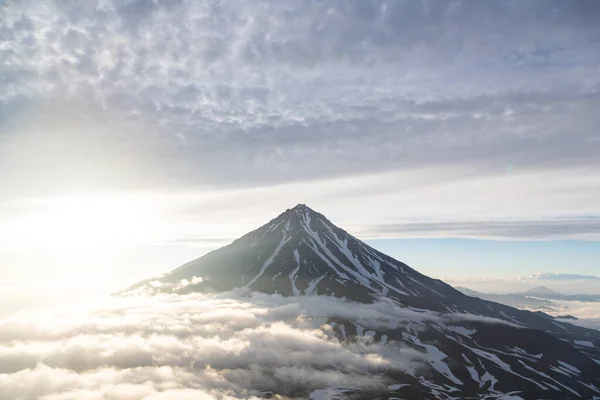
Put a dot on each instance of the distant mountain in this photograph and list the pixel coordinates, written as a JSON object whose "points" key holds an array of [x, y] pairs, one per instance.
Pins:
{"points": [[536, 299], [475, 348], [517, 300], [542, 291]]}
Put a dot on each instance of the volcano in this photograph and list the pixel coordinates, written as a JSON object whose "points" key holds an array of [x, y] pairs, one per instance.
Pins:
{"points": [[473, 348]]}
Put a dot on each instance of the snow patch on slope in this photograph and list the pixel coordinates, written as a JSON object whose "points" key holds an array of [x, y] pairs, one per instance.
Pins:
{"points": [[269, 260]]}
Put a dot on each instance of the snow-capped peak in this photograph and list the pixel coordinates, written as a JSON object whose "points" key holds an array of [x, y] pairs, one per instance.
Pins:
{"points": [[301, 253]]}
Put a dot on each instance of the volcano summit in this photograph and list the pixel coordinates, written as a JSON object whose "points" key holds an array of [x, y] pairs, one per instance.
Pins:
{"points": [[470, 348]]}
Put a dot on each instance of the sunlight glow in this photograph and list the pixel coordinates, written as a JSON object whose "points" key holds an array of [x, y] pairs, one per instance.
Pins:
{"points": [[83, 223]]}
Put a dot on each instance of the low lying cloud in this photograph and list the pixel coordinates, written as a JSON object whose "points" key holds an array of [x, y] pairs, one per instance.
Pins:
{"points": [[568, 284], [587, 313], [181, 347], [156, 286], [591, 323], [549, 276], [197, 346], [584, 310]]}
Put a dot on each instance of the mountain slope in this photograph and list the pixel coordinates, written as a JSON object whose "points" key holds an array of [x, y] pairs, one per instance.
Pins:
{"points": [[301, 252], [473, 347]]}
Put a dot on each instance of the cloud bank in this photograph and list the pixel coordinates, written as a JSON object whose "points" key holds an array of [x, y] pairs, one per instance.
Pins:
{"points": [[570, 284], [195, 346], [550, 276], [178, 347]]}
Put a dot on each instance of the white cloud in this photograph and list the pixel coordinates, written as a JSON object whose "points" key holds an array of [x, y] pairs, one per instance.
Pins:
{"points": [[568, 284], [591, 323], [176, 346], [554, 277], [587, 313], [585, 310]]}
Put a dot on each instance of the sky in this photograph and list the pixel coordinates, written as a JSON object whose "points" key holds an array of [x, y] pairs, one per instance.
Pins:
{"points": [[459, 137]]}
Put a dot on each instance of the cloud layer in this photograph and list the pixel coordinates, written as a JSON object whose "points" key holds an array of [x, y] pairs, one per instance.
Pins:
{"points": [[548, 276], [195, 346], [570, 284], [178, 347], [253, 93]]}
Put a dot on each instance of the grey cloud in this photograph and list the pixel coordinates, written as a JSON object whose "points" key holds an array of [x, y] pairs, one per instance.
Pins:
{"points": [[268, 92], [549, 229]]}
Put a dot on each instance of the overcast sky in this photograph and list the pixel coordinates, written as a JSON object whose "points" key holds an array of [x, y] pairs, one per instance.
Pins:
{"points": [[167, 128]]}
